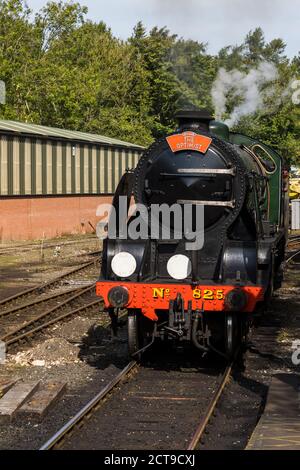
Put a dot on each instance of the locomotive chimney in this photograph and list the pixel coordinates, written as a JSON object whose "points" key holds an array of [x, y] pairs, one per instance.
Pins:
{"points": [[194, 119]]}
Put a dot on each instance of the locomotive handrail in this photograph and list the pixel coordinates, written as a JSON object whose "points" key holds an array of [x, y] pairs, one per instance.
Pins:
{"points": [[217, 171], [230, 204]]}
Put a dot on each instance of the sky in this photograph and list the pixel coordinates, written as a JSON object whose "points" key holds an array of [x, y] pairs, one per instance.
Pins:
{"points": [[216, 22]]}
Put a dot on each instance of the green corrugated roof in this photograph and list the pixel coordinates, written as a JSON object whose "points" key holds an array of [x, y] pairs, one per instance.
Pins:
{"points": [[43, 131]]}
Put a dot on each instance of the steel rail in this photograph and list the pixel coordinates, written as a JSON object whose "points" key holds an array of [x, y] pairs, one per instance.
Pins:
{"points": [[51, 322], [293, 237], [43, 286], [69, 427], [12, 334], [292, 240], [38, 301], [37, 246], [292, 257], [211, 408]]}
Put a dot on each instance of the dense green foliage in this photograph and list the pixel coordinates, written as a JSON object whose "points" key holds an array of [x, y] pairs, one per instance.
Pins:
{"points": [[63, 70]]}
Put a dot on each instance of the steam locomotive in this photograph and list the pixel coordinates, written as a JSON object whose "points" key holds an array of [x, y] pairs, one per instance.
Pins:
{"points": [[206, 296]]}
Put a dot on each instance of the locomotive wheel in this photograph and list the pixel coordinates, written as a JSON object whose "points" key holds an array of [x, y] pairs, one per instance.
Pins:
{"points": [[270, 287], [133, 336], [232, 334], [139, 332], [114, 314]]}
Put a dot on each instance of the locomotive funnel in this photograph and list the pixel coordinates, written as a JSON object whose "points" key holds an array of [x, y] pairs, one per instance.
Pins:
{"points": [[197, 119]]}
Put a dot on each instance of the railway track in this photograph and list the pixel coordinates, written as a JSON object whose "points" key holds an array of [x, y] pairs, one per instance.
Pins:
{"points": [[292, 257], [21, 328], [84, 414], [44, 287], [141, 409], [196, 439], [147, 408], [25, 314], [5, 250]]}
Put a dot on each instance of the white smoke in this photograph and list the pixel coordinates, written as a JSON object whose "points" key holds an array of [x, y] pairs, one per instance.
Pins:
{"points": [[243, 85], [291, 92]]}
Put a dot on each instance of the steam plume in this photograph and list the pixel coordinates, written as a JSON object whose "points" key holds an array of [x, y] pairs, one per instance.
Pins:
{"points": [[245, 85]]}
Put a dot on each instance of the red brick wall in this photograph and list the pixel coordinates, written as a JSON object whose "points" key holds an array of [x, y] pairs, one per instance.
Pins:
{"points": [[35, 218]]}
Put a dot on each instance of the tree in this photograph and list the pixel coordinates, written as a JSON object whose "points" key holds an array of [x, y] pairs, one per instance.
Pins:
{"points": [[63, 70], [18, 53], [196, 71], [154, 50]]}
